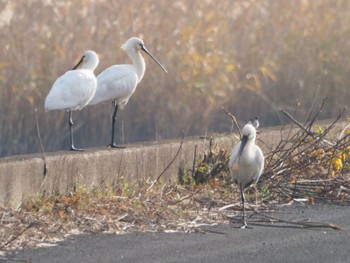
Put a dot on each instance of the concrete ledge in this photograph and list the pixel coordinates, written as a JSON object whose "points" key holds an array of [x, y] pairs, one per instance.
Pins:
{"points": [[21, 176]]}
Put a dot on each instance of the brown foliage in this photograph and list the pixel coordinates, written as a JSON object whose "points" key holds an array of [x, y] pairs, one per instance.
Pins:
{"points": [[252, 57]]}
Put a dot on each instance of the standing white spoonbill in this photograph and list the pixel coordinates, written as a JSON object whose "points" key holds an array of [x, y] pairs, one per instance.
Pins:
{"points": [[74, 89], [246, 163], [117, 83]]}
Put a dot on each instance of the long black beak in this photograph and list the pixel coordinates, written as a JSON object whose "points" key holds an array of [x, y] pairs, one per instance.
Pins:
{"points": [[243, 143], [80, 61], [149, 53]]}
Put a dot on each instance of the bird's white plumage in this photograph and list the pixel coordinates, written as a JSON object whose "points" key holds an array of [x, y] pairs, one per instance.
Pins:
{"points": [[246, 163], [75, 88], [116, 83], [247, 167]]}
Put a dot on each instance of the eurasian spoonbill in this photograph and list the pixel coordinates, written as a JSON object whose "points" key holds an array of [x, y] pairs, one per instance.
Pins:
{"points": [[118, 82], [74, 89], [246, 163]]}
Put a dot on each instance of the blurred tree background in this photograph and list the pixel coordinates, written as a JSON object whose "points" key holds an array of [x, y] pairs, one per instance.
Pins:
{"points": [[254, 57]]}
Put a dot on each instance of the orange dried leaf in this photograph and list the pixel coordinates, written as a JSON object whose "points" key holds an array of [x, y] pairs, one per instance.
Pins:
{"points": [[320, 153], [61, 214], [122, 207], [311, 200], [292, 179], [64, 200], [75, 199]]}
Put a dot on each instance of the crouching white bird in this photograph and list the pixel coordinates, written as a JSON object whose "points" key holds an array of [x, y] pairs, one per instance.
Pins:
{"points": [[74, 89], [246, 163], [117, 83]]}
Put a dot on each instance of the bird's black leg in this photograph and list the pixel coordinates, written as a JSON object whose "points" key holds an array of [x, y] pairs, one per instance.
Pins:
{"points": [[114, 119], [72, 148], [243, 200]]}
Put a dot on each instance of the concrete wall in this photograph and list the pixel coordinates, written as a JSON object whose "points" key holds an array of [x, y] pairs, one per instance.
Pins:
{"points": [[21, 176]]}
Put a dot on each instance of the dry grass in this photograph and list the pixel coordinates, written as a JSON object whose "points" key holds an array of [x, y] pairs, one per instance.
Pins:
{"points": [[44, 220], [311, 164], [253, 57]]}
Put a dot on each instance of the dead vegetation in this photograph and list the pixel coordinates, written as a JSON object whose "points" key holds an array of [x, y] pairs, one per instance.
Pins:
{"points": [[43, 220], [310, 162], [247, 55], [309, 165]]}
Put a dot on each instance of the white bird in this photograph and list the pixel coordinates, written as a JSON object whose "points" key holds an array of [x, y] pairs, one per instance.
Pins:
{"points": [[246, 163], [117, 83], [74, 89]]}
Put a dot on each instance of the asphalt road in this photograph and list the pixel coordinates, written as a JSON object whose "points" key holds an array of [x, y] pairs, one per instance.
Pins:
{"points": [[222, 243]]}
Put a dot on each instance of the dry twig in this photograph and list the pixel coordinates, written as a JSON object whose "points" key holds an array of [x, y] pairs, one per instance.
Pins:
{"points": [[234, 121], [303, 163], [17, 236], [302, 223], [40, 142]]}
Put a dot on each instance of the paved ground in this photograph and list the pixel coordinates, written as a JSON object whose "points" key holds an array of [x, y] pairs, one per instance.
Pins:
{"points": [[260, 244]]}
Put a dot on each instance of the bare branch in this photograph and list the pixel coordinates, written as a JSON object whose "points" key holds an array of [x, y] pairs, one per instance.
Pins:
{"points": [[17, 236], [40, 142], [302, 223], [171, 162], [234, 121]]}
